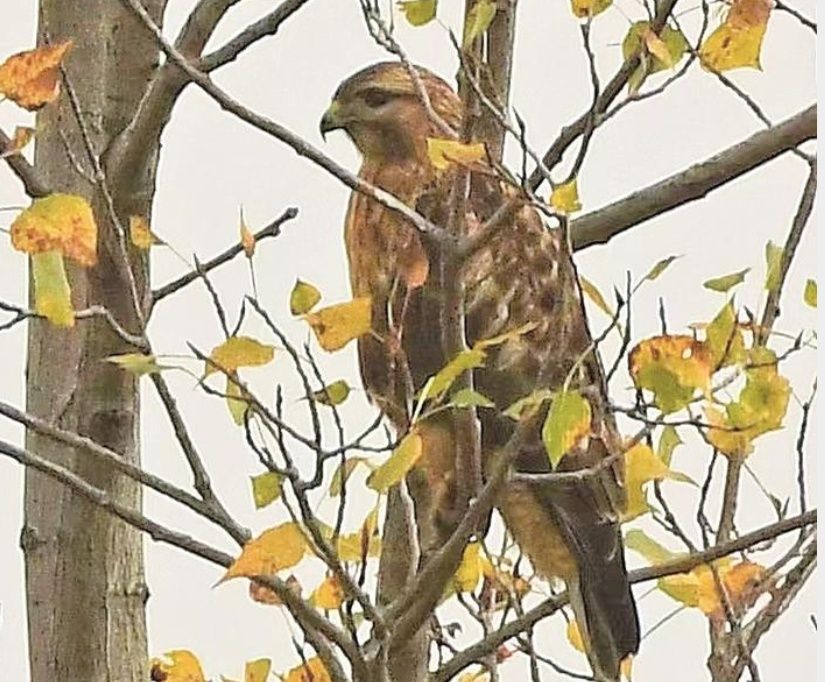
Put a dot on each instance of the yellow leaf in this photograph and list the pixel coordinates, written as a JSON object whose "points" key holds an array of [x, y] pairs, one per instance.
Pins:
{"points": [[179, 665], [303, 298], [468, 572], [399, 463], [329, 595], [52, 295], [565, 198], [257, 671], [724, 339], [567, 422], [641, 542], [274, 550], [660, 267], [238, 351], [641, 467], [313, 670], [32, 79], [418, 12], [137, 363], [672, 368], [337, 325], [140, 235], [247, 239], [266, 488], [58, 222], [363, 543], [444, 152], [738, 41], [22, 136], [342, 474], [480, 17], [589, 8], [668, 442], [574, 636], [810, 293], [740, 580], [332, 394]]}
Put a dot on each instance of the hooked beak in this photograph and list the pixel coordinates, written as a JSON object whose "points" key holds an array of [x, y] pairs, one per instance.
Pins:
{"points": [[331, 119]]}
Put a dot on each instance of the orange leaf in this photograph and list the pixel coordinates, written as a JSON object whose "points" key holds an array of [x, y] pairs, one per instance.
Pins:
{"points": [[32, 79], [274, 550], [329, 595], [140, 235], [313, 670], [58, 222], [22, 136]]}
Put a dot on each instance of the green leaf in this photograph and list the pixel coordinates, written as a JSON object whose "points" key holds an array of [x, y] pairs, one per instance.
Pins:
{"points": [[656, 53], [773, 262], [726, 282], [52, 295], [534, 399], [332, 394], [659, 268], [724, 338], [567, 422], [398, 465], [810, 293], [266, 488], [668, 442], [418, 12], [304, 297], [467, 397], [478, 21]]}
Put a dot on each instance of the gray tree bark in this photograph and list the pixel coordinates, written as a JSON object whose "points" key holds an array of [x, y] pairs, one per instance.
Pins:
{"points": [[84, 568]]}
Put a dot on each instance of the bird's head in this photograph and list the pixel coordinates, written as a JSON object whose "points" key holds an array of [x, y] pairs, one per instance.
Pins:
{"points": [[379, 108]]}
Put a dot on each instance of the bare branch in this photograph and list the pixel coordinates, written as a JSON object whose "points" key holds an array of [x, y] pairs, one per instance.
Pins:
{"points": [[33, 184], [271, 230], [693, 183]]}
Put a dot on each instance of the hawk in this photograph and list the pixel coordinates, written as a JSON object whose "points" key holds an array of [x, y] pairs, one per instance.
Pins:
{"points": [[522, 277]]}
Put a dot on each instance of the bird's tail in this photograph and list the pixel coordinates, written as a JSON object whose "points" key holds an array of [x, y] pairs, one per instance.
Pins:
{"points": [[603, 603]]}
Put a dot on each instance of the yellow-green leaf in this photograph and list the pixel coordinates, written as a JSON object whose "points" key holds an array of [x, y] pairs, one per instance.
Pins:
{"points": [[52, 295], [342, 474], [238, 351], [418, 12], [273, 550], [528, 402], [656, 53], [668, 442], [567, 422], [442, 153], [672, 368], [726, 282], [641, 542], [303, 298], [589, 8], [724, 338], [810, 293], [337, 325], [480, 17], [446, 376], [237, 401], [403, 458], [266, 488], [593, 293], [659, 268], [467, 397], [565, 198], [137, 363], [332, 394], [773, 263], [641, 467]]}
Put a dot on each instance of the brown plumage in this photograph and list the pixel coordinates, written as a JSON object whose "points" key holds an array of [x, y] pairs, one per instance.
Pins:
{"points": [[523, 275]]}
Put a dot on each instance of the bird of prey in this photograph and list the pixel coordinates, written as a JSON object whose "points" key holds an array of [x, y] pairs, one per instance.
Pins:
{"points": [[523, 277]]}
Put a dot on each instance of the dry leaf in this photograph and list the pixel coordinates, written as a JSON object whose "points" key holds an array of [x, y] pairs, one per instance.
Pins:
{"points": [[32, 79], [21, 137]]}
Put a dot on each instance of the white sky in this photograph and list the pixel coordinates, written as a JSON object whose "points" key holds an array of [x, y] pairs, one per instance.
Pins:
{"points": [[211, 164]]}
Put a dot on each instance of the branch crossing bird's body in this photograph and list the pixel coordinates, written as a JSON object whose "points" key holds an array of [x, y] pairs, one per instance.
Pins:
{"points": [[524, 275]]}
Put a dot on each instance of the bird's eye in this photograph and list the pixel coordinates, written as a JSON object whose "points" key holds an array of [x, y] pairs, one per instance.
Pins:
{"points": [[375, 98]]}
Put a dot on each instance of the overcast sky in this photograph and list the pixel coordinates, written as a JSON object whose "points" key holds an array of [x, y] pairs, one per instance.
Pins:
{"points": [[212, 164]]}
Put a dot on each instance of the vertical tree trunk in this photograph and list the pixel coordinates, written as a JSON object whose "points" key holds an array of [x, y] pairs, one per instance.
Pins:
{"points": [[84, 569]]}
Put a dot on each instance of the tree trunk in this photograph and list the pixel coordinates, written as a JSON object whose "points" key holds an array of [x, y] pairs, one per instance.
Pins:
{"points": [[84, 569]]}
